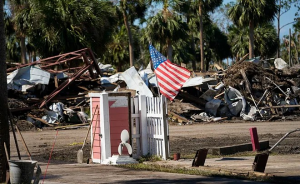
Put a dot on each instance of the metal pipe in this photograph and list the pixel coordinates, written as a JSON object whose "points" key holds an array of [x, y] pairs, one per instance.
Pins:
{"points": [[277, 86], [263, 96], [298, 129]]}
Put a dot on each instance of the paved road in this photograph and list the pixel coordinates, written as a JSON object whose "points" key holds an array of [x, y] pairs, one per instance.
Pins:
{"points": [[84, 173]]}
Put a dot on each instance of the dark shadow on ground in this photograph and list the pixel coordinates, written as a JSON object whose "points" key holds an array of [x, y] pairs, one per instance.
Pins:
{"points": [[190, 180], [229, 158]]}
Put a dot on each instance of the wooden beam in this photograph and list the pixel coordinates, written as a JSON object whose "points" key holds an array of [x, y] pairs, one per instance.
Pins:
{"points": [[280, 106], [175, 116]]}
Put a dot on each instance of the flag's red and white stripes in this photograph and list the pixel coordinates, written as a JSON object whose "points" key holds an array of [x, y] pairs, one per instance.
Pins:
{"points": [[171, 77]]}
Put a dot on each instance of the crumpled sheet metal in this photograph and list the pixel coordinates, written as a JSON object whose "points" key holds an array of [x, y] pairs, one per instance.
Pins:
{"points": [[135, 82], [30, 75], [237, 104], [212, 107]]}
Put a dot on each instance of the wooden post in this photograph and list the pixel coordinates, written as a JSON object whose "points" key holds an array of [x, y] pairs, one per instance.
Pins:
{"points": [[165, 127], [104, 127], [254, 139], [143, 124]]}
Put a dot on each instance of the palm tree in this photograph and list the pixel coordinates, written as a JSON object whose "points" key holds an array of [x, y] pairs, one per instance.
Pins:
{"points": [[265, 40], [4, 131], [251, 13], [189, 11], [205, 6], [132, 10], [117, 52], [67, 25], [166, 28], [239, 41], [217, 44], [13, 51], [20, 10]]}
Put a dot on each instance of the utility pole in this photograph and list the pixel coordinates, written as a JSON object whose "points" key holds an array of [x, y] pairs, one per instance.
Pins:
{"points": [[278, 32], [278, 29], [290, 56]]}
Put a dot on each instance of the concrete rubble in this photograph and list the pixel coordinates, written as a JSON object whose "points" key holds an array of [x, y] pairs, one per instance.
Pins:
{"points": [[52, 91]]}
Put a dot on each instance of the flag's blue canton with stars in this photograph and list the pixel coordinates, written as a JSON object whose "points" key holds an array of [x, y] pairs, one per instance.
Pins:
{"points": [[157, 58], [170, 76]]}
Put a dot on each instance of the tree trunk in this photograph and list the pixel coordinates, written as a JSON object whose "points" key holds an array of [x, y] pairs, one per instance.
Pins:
{"points": [[278, 29], [29, 57], [194, 53], [297, 50], [192, 44], [119, 68], [23, 50], [251, 40], [296, 54], [4, 131], [201, 40], [170, 51], [207, 66], [131, 56], [33, 56]]}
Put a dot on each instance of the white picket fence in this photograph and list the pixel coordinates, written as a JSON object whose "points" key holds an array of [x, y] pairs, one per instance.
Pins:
{"points": [[149, 126]]}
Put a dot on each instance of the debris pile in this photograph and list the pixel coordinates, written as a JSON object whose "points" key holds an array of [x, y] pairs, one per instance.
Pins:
{"points": [[251, 92], [53, 91]]}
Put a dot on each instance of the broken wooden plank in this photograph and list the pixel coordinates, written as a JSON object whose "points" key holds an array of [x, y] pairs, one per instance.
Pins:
{"points": [[21, 109], [280, 106], [71, 126], [217, 96], [175, 116], [132, 91], [82, 87], [241, 60], [248, 85], [55, 81]]}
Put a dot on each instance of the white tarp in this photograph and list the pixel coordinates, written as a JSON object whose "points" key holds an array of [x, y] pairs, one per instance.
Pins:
{"points": [[135, 82], [148, 70], [280, 64], [30, 75], [196, 81], [106, 67], [112, 79]]}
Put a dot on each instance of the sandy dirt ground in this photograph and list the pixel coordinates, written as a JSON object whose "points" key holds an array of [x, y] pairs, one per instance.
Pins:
{"points": [[185, 139]]}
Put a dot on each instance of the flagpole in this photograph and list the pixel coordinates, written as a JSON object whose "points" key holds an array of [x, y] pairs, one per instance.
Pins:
{"points": [[156, 80], [157, 85], [150, 43]]}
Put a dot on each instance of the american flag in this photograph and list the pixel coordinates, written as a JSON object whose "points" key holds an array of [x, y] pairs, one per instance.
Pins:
{"points": [[170, 76]]}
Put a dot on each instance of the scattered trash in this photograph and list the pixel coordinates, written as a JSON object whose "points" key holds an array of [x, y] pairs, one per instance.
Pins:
{"points": [[52, 91]]}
